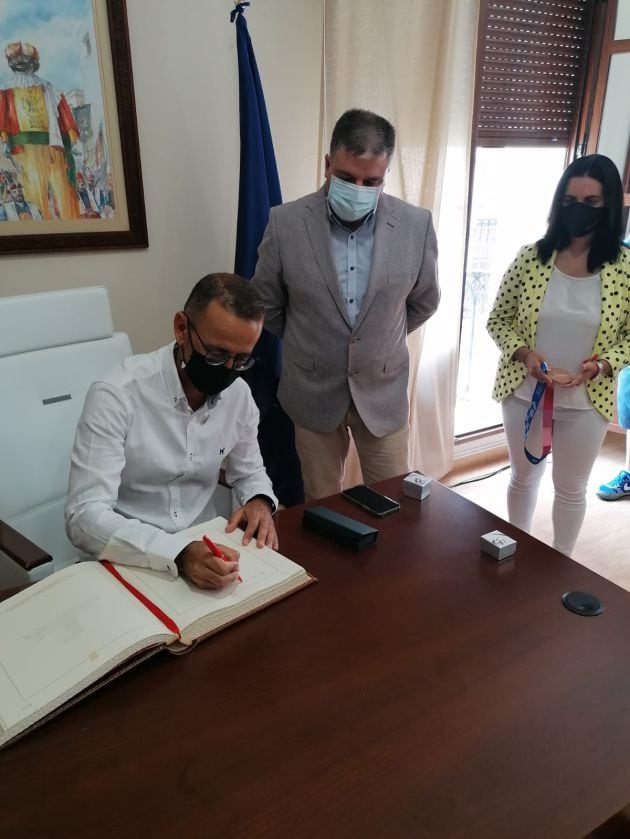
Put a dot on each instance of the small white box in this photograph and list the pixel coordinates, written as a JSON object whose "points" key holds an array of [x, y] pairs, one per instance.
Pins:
{"points": [[498, 545], [416, 485]]}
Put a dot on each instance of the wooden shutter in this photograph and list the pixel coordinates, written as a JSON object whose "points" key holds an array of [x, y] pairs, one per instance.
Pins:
{"points": [[531, 62]]}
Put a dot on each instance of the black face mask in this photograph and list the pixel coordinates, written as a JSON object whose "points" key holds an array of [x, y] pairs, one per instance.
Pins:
{"points": [[579, 219], [208, 379]]}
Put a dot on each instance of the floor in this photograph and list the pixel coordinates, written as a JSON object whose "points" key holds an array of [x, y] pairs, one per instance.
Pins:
{"points": [[603, 542]]}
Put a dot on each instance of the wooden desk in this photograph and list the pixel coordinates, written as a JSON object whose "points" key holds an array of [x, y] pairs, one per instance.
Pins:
{"points": [[420, 689]]}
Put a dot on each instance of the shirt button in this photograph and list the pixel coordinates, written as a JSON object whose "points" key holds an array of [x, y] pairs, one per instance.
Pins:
{"points": [[351, 300], [352, 237], [352, 267]]}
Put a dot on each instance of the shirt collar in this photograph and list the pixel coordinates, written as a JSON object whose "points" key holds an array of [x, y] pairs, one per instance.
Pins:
{"points": [[367, 221], [173, 384]]}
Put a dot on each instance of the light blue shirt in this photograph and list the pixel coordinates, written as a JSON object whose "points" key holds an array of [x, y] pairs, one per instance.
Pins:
{"points": [[352, 255]]}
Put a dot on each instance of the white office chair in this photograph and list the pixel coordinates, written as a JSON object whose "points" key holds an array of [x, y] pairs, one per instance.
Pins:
{"points": [[52, 347]]}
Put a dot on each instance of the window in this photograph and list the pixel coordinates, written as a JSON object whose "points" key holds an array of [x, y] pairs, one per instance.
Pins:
{"points": [[508, 209], [530, 76], [605, 127]]}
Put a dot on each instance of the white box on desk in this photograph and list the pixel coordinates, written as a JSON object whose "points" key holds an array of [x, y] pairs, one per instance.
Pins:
{"points": [[498, 545], [416, 485]]}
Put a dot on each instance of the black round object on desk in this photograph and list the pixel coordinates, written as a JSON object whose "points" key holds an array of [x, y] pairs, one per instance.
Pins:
{"points": [[582, 603]]}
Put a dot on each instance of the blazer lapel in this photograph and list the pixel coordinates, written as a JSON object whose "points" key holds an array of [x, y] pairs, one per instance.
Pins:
{"points": [[317, 226], [609, 311], [384, 247]]}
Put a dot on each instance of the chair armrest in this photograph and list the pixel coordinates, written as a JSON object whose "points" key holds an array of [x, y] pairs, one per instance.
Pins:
{"points": [[20, 549]]}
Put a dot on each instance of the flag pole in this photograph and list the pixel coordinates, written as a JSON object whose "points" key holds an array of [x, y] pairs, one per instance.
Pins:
{"points": [[259, 191]]}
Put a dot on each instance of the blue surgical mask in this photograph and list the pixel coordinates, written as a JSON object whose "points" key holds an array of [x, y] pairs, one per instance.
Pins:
{"points": [[351, 202]]}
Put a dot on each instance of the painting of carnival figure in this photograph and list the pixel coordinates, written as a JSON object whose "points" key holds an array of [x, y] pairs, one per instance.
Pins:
{"points": [[50, 99]]}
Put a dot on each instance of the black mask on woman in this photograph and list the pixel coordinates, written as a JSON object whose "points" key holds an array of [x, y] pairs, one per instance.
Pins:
{"points": [[579, 219], [208, 379]]}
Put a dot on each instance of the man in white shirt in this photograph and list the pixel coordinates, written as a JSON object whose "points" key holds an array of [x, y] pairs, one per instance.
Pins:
{"points": [[154, 433]]}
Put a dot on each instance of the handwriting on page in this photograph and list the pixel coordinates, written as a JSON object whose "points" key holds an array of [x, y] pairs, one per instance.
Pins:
{"points": [[65, 627], [59, 633]]}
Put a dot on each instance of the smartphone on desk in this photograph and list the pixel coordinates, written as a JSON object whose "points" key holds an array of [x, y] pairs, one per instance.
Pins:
{"points": [[369, 499]]}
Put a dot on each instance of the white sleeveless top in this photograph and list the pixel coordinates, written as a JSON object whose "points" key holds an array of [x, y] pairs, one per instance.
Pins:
{"points": [[568, 323]]}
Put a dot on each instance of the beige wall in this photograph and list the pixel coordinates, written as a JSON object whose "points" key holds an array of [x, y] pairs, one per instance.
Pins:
{"points": [[185, 69]]}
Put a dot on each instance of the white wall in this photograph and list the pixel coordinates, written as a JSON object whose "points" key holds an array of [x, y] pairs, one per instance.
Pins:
{"points": [[186, 87]]}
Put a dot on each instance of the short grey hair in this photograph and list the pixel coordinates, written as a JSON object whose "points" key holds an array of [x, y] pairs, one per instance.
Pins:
{"points": [[363, 133]]}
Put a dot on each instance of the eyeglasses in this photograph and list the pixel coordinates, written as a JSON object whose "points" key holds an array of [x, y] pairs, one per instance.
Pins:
{"points": [[215, 356]]}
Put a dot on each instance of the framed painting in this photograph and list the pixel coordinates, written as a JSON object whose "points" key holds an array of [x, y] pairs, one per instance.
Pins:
{"points": [[70, 176]]}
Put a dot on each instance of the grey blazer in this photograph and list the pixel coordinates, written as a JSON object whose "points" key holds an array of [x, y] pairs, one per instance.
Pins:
{"points": [[327, 362]]}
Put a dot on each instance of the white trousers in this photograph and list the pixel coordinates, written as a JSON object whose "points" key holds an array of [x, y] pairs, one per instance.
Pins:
{"points": [[577, 438]]}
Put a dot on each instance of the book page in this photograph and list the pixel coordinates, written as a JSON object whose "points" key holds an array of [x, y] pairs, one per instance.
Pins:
{"points": [[266, 574], [62, 630]]}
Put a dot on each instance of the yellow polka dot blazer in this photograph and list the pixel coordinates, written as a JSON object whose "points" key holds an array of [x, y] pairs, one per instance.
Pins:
{"points": [[513, 322]]}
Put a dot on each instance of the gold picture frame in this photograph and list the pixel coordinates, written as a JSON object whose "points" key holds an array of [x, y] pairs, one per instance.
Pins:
{"points": [[70, 174]]}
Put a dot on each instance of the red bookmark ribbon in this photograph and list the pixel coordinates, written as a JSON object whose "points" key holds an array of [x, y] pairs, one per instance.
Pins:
{"points": [[547, 423], [169, 623]]}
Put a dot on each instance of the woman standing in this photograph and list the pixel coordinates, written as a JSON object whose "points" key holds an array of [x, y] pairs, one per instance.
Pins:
{"points": [[561, 316]]}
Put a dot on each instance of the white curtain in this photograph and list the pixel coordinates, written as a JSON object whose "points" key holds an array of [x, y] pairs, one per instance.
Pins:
{"points": [[412, 61]]}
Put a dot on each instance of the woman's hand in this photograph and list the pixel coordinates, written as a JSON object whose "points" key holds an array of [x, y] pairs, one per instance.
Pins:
{"points": [[534, 363], [588, 370]]}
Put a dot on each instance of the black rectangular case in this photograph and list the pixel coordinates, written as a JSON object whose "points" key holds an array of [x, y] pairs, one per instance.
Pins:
{"points": [[342, 529]]}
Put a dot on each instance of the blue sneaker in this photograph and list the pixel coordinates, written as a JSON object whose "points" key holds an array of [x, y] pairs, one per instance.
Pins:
{"points": [[619, 487]]}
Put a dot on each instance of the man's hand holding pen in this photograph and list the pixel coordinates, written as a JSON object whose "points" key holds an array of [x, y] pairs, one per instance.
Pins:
{"points": [[199, 563]]}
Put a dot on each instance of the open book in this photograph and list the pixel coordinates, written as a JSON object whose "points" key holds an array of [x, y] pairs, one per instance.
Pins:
{"points": [[67, 634]]}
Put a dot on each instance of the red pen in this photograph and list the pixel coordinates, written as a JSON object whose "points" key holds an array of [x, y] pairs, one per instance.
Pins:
{"points": [[210, 544]]}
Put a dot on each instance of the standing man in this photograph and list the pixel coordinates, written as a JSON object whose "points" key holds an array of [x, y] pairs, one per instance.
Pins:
{"points": [[346, 273], [154, 433]]}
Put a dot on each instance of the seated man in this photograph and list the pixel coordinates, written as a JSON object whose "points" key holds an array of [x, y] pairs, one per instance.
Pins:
{"points": [[156, 429]]}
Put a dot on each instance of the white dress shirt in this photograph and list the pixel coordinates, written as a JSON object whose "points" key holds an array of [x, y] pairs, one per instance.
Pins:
{"points": [[145, 465]]}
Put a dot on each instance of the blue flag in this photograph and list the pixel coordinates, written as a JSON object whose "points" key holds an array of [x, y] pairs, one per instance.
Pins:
{"points": [[259, 190]]}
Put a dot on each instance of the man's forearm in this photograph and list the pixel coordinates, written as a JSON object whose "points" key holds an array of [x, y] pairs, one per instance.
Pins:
{"points": [[102, 533]]}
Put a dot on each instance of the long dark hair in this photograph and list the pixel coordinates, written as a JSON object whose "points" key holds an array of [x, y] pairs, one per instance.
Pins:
{"points": [[606, 240]]}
